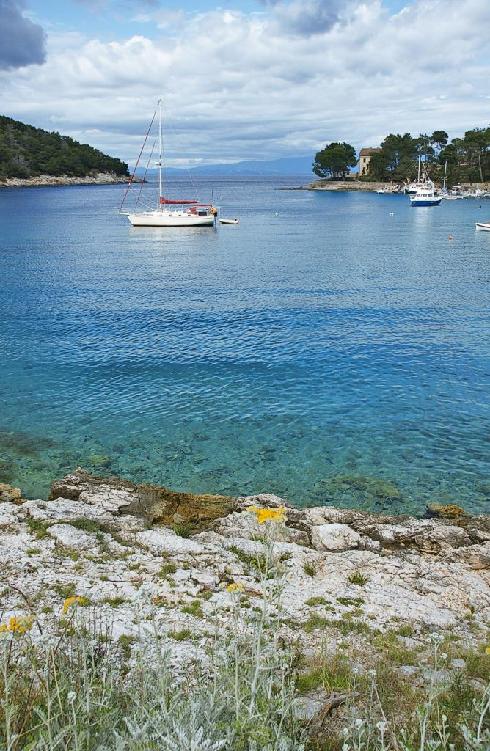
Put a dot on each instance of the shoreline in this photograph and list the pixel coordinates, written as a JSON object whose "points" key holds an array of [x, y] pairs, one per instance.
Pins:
{"points": [[49, 181], [337, 590], [370, 187]]}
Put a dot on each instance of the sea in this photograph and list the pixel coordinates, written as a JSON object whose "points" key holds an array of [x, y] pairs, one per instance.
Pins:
{"points": [[332, 348]]}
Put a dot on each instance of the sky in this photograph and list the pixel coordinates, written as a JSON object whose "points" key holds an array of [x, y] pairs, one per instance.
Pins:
{"points": [[245, 79]]}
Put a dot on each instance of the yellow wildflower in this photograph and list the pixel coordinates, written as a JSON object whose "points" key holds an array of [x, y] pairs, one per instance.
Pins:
{"points": [[487, 651], [17, 624], [235, 587], [269, 514], [74, 600]]}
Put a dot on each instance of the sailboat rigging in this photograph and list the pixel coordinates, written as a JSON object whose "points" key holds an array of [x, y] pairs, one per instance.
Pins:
{"points": [[187, 212]]}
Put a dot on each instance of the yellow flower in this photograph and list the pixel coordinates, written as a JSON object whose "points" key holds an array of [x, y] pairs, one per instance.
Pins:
{"points": [[235, 587], [487, 651], [71, 601], [17, 624], [269, 514]]}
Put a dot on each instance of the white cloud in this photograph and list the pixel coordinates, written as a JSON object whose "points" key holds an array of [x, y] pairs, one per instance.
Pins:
{"points": [[243, 86]]}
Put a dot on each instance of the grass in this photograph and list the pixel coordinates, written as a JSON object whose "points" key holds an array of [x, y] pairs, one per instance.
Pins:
{"points": [[309, 568], [194, 608], [183, 529], [38, 528], [358, 578], [69, 589], [183, 634], [167, 570], [354, 602], [314, 601], [114, 602], [255, 561], [86, 525], [315, 621]]}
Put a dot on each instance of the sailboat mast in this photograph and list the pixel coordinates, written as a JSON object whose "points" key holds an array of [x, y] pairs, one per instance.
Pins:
{"points": [[160, 145], [445, 174]]}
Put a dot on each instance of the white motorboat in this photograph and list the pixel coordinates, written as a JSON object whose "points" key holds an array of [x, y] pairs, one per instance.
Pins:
{"points": [[485, 226], [426, 196], [185, 212], [228, 221]]}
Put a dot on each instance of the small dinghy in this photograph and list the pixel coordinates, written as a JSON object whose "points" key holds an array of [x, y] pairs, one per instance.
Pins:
{"points": [[483, 226], [229, 221]]}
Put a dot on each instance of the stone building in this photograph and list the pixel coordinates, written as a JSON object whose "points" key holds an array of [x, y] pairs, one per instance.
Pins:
{"points": [[364, 159]]}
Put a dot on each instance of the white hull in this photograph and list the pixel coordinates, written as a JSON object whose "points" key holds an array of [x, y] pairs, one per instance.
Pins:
{"points": [[485, 226], [170, 219]]}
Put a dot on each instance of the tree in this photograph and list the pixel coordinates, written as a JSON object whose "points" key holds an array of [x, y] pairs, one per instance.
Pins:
{"points": [[335, 160], [397, 158], [439, 139], [477, 146]]}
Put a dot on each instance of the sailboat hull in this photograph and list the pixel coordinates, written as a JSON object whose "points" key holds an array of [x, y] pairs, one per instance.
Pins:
{"points": [[170, 219]]}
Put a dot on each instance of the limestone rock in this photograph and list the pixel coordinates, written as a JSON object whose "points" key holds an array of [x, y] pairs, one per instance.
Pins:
{"points": [[73, 538], [165, 541], [429, 573], [157, 504], [334, 537]]}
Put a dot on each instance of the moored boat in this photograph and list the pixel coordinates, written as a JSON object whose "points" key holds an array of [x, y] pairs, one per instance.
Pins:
{"points": [[485, 226], [185, 212], [426, 196]]}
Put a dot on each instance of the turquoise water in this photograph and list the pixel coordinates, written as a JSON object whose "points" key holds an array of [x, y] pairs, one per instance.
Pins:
{"points": [[332, 348]]}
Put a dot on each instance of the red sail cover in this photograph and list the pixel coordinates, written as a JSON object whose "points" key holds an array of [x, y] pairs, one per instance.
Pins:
{"points": [[167, 201]]}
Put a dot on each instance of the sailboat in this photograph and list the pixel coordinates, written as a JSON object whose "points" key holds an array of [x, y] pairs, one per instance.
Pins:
{"points": [[444, 193], [185, 212]]}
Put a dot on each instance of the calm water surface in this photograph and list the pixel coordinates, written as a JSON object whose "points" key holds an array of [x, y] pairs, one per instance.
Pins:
{"points": [[332, 348]]}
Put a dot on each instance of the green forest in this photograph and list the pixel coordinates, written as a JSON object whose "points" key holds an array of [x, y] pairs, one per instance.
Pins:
{"points": [[26, 151], [467, 158]]}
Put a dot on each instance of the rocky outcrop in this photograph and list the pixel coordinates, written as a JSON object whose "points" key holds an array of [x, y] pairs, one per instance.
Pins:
{"points": [[153, 558], [101, 178], [157, 504]]}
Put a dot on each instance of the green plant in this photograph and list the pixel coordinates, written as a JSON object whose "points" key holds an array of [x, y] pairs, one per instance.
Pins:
{"points": [[181, 635], [86, 525], [69, 589], [314, 601], [37, 527], [309, 568], [183, 529], [114, 602], [194, 608], [166, 570], [354, 602], [358, 578]]}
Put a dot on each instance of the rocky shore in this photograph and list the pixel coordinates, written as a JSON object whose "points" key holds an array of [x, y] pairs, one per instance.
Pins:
{"points": [[372, 187], [145, 554], [351, 185], [101, 178], [352, 589]]}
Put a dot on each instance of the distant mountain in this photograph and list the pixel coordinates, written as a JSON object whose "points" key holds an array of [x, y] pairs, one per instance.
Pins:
{"points": [[26, 151], [294, 165]]}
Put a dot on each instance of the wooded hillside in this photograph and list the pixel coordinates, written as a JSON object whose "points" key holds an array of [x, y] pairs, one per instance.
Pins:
{"points": [[26, 151]]}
